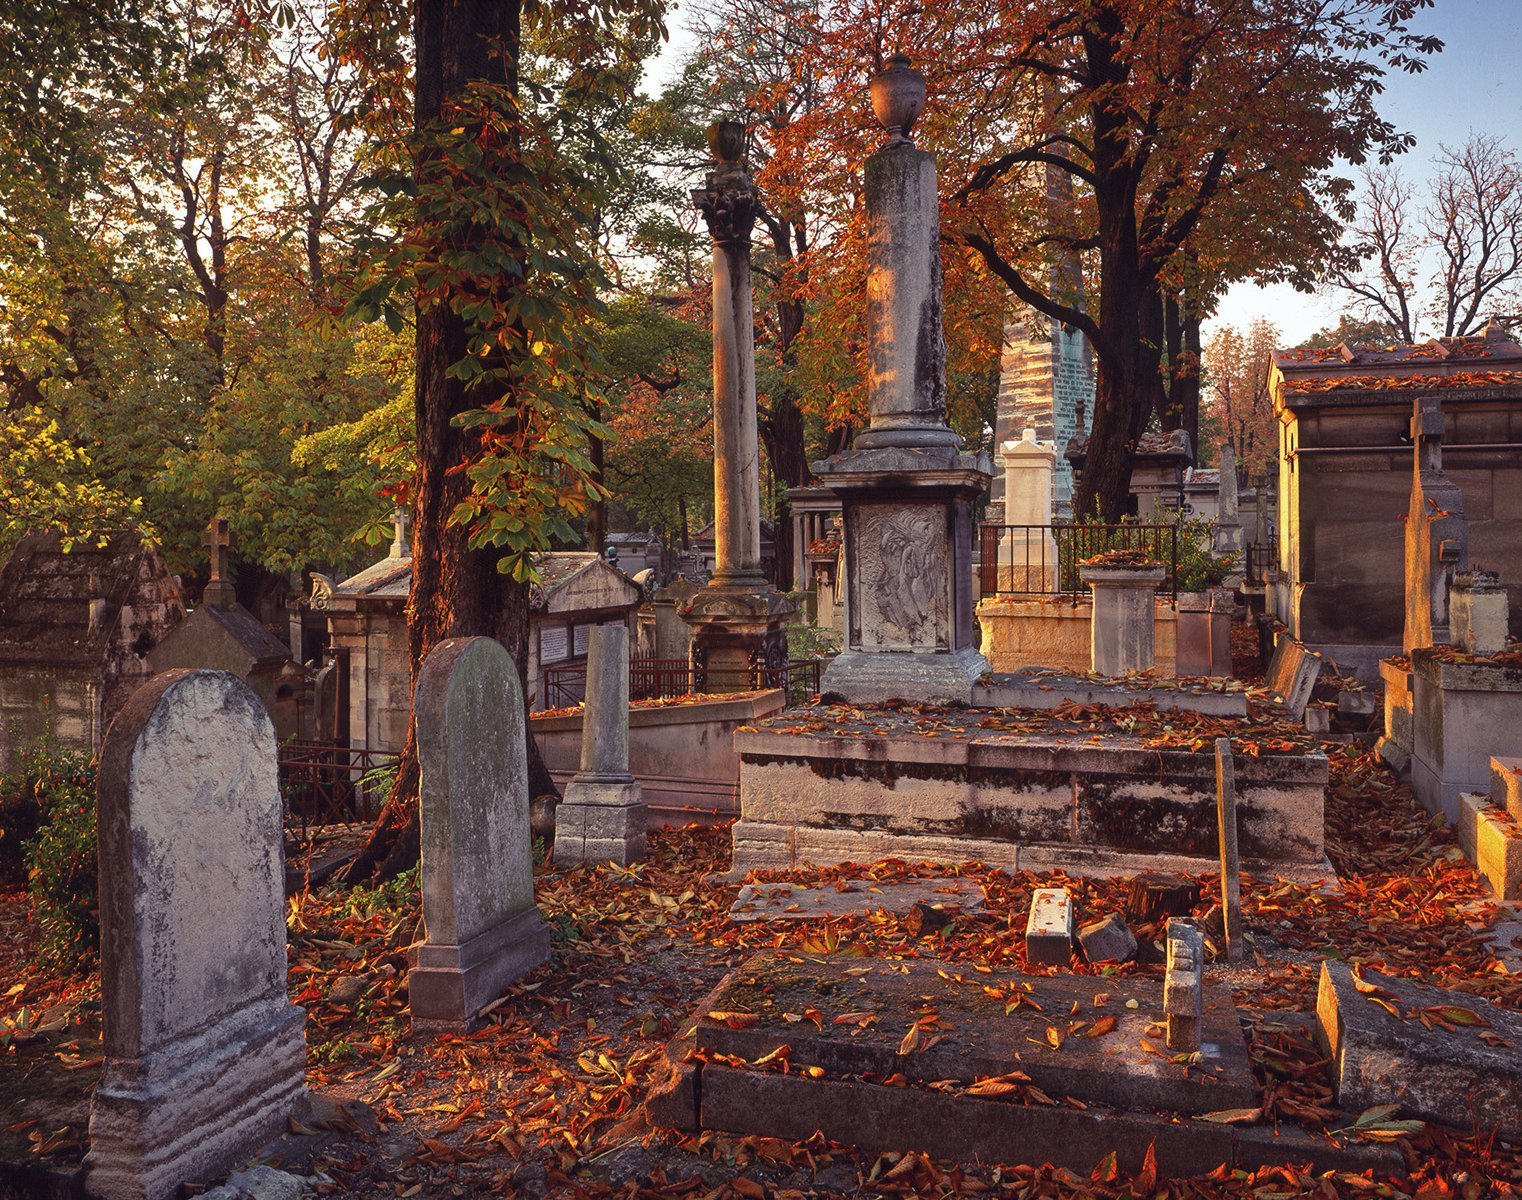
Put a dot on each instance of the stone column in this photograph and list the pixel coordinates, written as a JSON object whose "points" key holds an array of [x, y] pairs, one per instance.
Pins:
{"points": [[603, 814], [906, 489], [739, 620], [1028, 558], [1123, 615]]}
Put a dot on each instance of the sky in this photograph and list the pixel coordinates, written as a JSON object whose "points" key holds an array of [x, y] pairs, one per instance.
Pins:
{"points": [[1474, 83]]}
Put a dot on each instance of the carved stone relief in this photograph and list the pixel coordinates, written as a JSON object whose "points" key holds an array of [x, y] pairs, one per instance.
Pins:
{"points": [[899, 578]]}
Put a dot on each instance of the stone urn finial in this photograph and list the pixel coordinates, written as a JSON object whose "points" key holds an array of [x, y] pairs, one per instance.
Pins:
{"points": [[898, 98], [726, 140]]}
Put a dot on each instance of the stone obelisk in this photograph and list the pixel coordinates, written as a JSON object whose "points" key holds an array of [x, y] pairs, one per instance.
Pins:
{"points": [[906, 487], [739, 619]]}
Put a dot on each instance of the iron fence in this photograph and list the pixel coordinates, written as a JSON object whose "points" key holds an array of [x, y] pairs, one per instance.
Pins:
{"points": [[326, 784], [1042, 560], [1262, 557], [658, 678]]}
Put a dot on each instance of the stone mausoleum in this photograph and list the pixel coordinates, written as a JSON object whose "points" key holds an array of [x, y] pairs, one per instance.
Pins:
{"points": [[1345, 453], [75, 631]]}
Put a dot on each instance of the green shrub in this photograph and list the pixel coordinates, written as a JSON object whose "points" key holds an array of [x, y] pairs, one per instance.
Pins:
{"points": [[62, 882], [41, 777]]}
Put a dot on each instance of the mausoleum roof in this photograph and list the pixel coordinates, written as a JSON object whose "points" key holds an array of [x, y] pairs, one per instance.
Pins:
{"points": [[389, 577], [1155, 446], [1480, 363]]}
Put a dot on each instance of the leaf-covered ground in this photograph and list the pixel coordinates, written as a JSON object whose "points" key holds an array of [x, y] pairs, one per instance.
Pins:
{"points": [[544, 1099]]}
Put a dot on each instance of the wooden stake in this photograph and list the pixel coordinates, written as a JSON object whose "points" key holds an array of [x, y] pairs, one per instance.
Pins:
{"points": [[1231, 879]]}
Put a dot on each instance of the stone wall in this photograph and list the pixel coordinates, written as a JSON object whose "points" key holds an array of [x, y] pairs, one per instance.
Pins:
{"points": [[1055, 633], [61, 703]]}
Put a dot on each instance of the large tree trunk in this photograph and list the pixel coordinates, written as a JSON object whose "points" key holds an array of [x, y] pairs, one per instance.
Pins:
{"points": [[456, 591]]}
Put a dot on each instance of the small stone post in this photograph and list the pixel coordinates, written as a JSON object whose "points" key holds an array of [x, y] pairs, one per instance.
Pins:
{"points": [[1477, 613], [602, 816], [481, 929], [739, 620], [1121, 623], [1028, 557], [205, 1055], [1184, 985], [1231, 863]]}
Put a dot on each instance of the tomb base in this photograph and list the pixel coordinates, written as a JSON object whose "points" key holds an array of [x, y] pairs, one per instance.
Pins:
{"points": [[190, 1110], [1394, 747], [600, 820], [1464, 711], [739, 633], [946, 785], [924, 678], [452, 983]]}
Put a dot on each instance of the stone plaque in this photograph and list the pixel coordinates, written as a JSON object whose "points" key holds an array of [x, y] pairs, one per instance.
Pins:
{"points": [[899, 579], [554, 644], [581, 639]]}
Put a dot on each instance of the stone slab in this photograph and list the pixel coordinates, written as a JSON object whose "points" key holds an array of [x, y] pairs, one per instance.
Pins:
{"points": [[1041, 689], [1464, 713], [1049, 927], [1380, 1058], [795, 902], [1492, 841], [1292, 675], [1107, 940], [978, 1038]]}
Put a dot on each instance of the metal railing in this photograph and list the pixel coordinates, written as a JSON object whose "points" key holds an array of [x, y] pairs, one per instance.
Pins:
{"points": [[1042, 560], [1261, 558], [657, 678], [326, 784]]}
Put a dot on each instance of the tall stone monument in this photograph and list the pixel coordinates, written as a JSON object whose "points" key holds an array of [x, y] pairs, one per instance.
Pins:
{"points": [[1226, 537], [905, 486], [1028, 556], [1437, 540], [739, 620]]}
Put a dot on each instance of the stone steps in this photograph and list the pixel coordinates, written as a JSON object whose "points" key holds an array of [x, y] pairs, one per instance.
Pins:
{"points": [[1490, 829]]}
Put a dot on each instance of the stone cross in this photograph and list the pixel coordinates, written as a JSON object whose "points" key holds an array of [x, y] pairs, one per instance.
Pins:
{"points": [[602, 817], [482, 930], [205, 1054], [400, 547], [1437, 539], [217, 539]]}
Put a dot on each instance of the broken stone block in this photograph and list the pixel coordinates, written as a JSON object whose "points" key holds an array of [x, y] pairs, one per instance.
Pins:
{"points": [[1491, 839], [1107, 940], [1318, 719], [1462, 1069], [1049, 928], [1506, 785], [1184, 985]]}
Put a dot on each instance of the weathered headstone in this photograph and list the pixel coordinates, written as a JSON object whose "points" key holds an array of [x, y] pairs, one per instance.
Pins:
{"points": [[482, 930], [205, 1053], [1292, 675], [1049, 928], [1226, 536], [602, 815], [1437, 537], [1028, 556], [1184, 984], [1231, 863], [1123, 616], [1477, 613]]}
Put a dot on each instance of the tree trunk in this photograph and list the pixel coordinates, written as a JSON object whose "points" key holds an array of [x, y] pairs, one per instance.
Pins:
{"points": [[456, 591], [782, 433]]}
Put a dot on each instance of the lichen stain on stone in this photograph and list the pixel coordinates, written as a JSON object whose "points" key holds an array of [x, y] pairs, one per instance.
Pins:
{"points": [[1109, 815]]}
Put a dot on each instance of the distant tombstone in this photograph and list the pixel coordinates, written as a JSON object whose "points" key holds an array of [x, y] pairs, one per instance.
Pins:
{"points": [[481, 929], [1226, 537], [1028, 555], [602, 816], [1437, 537], [1122, 618], [205, 1053]]}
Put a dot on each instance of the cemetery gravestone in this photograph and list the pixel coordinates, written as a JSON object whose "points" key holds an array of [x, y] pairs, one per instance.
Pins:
{"points": [[1292, 675], [602, 816], [1122, 620], [482, 930], [205, 1053], [1183, 985]]}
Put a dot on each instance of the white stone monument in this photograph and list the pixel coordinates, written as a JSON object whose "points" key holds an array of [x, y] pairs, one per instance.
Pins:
{"points": [[602, 816], [205, 1053], [1028, 556], [482, 930]]}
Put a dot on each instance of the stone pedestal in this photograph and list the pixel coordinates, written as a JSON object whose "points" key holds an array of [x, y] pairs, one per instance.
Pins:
{"points": [[602, 816], [1463, 713], [1396, 744], [1477, 613], [1121, 628]]}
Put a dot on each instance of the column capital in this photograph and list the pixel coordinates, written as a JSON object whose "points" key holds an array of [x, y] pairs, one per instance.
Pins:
{"points": [[729, 204]]}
